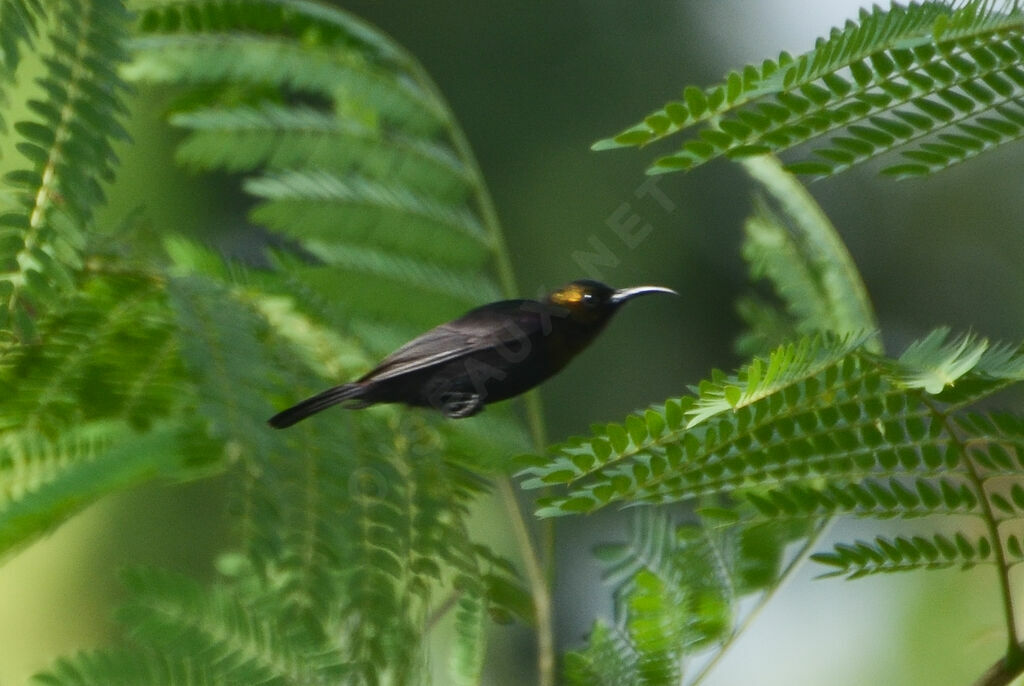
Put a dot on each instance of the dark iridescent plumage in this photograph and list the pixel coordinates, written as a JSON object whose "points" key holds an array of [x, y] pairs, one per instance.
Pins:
{"points": [[491, 353]]}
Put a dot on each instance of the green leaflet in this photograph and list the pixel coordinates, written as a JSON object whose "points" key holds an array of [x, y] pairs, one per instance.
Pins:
{"points": [[43, 482], [936, 363], [352, 527], [470, 641], [785, 367], [68, 145], [223, 348], [816, 430], [304, 136], [677, 589], [882, 499], [94, 409], [801, 254], [19, 26], [772, 253], [938, 83], [218, 633], [124, 667], [608, 659], [324, 210], [358, 519], [819, 411], [372, 180], [110, 351], [902, 553]]}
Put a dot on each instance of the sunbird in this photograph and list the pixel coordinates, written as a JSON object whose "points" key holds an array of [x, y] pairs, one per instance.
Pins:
{"points": [[491, 353]]}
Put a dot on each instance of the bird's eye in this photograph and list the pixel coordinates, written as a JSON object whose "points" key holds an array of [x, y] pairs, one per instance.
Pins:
{"points": [[589, 299]]}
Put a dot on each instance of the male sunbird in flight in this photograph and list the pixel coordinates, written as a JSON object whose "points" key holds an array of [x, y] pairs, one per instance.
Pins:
{"points": [[491, 353]]}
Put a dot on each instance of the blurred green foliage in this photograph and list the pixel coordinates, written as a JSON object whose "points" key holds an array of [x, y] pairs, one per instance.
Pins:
{"points": [[532, 86]]}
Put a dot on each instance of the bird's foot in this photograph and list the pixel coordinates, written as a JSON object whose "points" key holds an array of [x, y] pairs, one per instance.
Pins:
{"points": [[459, 405]]}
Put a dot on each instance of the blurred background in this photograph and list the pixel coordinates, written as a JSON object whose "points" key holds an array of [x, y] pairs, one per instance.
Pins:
{"points": [[534, 84]]}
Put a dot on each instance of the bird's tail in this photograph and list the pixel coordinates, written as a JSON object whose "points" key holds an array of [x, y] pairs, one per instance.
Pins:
{"points": [[310, 406]]}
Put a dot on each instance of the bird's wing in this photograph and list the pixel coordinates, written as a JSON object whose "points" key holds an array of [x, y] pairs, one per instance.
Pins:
{"points": [[510, 323]]}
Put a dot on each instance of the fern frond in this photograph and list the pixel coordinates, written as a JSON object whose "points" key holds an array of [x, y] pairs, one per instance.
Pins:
{"points": [[992, 453], [224, 350], [785, 367], [69, 150], [880, 499], [110, 351], [350, 525], [379, 612], [767, 326], [335, 37], [657, 623], [258, 61], [469, 648], [995, 442], [222, 347], [125, 668], [401, 535], [320, 208], [292, 534], [406, 506], [800, 253], [906, 553], [364, 170], [650, 546], [367, 521], [19, 27], [215, 628], [940, 83], [992, 367], [673, 589], [933, 363], [284, 17], [507, 598], [813, 410], [378, 293], [278, 137], [296, 489], [677, 590], [321, 349], [43, 482], [772, 253], [607, 661]]}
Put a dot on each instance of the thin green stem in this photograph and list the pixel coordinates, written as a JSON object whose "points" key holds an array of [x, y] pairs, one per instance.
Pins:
{"points": [[499, 247], [538, 569], [539, 588], [787, 574], [1002, 673], [489, 216], [1014, 653], [439, 612]]}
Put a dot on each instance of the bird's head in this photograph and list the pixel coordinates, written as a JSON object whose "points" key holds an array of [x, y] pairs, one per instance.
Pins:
{"points": [[588, 301]]}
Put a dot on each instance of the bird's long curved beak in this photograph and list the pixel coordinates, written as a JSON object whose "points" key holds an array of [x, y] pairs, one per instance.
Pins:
{"points": [[624, 294]]}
